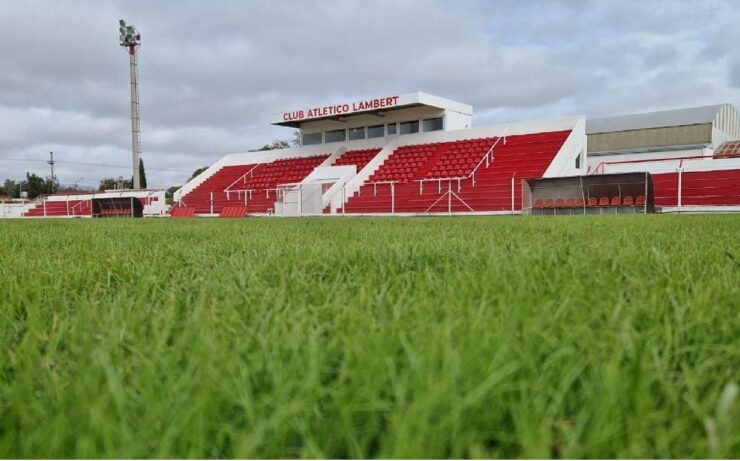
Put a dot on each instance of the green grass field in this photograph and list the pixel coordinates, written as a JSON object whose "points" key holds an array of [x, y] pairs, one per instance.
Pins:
{"points": [[430, 337]]}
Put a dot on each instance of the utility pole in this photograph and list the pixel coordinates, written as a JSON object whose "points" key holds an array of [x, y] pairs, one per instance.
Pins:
{"points": [[51, 162], [130, 39]]}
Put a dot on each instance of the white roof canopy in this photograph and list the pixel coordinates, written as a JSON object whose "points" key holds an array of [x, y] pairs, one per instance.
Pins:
{"points": [[676, 117], [373, 105]]}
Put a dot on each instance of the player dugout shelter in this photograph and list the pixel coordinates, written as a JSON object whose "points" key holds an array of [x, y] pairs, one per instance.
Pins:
{"points": [[599, 194]]}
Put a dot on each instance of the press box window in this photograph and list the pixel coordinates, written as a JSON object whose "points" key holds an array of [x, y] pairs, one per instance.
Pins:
{"points": [[356, 133], [311, 138], [432, 124], [335, 136], [391, 128], [578, 161], [376, 131], [410, 127]]}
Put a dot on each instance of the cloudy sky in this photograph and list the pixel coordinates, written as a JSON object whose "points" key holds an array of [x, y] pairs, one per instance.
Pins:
{"points": [[211, 72]]}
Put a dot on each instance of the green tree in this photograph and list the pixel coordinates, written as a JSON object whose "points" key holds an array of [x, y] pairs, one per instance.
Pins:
{"points": [[113, 183], [169, 194], [142, 177], [142, 174], [277, 144], [197, 172], [171, 191], [11, 188], [36, 185]]}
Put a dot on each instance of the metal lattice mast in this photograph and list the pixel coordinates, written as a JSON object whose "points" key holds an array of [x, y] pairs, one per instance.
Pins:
{"points": [[131, 39]]}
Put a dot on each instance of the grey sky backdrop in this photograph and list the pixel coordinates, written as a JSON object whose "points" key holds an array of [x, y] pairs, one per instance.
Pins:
{"points": [[212, 72]]}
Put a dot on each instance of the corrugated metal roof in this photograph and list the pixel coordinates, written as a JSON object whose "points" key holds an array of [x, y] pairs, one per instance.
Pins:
{"points": [[676, 117]]}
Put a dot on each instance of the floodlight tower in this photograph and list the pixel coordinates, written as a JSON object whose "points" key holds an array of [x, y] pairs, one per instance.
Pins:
{"points": [[130, 38]]}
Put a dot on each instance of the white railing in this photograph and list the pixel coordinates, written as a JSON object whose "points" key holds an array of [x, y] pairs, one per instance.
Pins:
{"points": [[243, 177], [375, 185], [488, 157], [248, 194], [392, 185], [601, 167], [439, 182], [79, 204]]}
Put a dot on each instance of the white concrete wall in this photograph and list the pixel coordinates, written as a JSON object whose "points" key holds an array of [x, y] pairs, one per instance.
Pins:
{"points": [[452, 121], [670, 166], [396, 116], [597, 162], [12, 210], [457, 121], [564, 163], [339, 176]]}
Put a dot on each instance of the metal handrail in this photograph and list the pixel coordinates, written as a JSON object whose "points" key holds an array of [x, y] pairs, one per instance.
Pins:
{"points": [[227, 189], [376, 183], [486, 156], [250, 191], [440, 181], [78, 204], [602, 165]]}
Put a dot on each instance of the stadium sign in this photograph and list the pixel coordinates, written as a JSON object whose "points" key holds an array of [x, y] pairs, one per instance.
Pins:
{"points": [[341, 109]]}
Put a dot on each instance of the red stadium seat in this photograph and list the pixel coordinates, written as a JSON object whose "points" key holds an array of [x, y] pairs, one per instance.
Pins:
{"points": [[580, 203], [182, 212], [640, 200], [604, 201], [549, 203], [539, 203], [592, 202], [570, 203], [616, 201], [559, 203], [233, 212], [628, 200]]}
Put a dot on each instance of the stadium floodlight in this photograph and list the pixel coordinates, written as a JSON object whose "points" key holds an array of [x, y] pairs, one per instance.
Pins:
{"points": [[130, 38]]}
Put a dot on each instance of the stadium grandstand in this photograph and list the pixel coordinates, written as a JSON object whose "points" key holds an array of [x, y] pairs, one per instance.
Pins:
{"points": [[418, 154], [692, 155], [408, 154], [122, 203]]}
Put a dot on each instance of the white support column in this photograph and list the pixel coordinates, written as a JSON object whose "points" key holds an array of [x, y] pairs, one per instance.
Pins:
{"points": [[512, 195], [393, 198], [644, 206], [680, 187]]}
